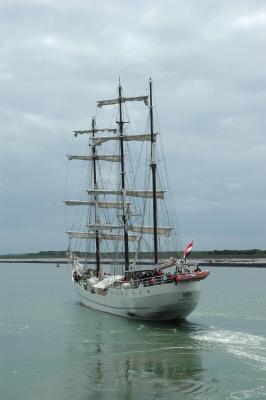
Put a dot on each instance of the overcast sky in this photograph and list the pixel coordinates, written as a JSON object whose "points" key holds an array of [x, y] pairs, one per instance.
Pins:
{"points": [[207, 59]]}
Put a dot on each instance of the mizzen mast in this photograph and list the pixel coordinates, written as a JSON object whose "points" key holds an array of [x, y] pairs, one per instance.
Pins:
{"points": [[153, 170], [123, 187], [95, 186]]}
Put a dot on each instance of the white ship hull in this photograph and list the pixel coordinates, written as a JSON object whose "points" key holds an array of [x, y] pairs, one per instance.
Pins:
{"points": [[158, 303]]}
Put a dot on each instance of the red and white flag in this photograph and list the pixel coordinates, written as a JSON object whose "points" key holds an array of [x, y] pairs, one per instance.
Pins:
{"points": [[188, 249]]}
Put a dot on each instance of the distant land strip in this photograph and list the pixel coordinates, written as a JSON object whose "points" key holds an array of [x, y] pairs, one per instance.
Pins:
{"points": [[217, 258], [209, 254]]}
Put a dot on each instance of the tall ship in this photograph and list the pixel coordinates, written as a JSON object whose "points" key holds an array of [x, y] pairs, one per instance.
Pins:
{"points": [[122, 242]]}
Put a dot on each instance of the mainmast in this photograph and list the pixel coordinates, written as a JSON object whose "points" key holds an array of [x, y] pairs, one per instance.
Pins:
{"points": [[95, 186], [123, 187], [153, 170]]}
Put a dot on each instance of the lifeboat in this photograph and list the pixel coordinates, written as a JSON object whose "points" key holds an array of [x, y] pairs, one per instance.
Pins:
{"points": [[192, 276]]}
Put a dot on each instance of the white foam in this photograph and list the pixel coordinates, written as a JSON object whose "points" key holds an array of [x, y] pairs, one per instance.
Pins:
{"points": [[241, 344], [140, 327], [256, 393]]}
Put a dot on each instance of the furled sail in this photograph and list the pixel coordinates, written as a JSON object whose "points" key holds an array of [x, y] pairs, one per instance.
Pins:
{"points": [[123, 100], [82, 131], [133, 193], [146, 193], [104, 226], [163, 231], [100, 204], [103, 236], [141, 138], [111, 158], [168, 263], [103, 191]]}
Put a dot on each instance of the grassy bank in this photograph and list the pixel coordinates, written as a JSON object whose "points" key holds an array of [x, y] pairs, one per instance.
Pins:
{"points": [[213, 254]]}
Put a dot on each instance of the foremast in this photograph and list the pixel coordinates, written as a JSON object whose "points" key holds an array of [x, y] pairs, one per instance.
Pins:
{"points": [[95, 203]]}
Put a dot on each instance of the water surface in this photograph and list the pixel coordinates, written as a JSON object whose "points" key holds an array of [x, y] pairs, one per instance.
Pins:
{"points": [[54, 348]]}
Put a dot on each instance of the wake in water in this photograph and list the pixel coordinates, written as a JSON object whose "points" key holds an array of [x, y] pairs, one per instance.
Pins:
{"points": [[241, 344]]}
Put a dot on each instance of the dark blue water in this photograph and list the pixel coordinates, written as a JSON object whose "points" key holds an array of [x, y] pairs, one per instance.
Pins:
{"points": [[53, 348]]}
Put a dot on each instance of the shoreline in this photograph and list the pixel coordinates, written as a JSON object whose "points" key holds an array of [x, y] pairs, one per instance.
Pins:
{"points": [[244, 263]]}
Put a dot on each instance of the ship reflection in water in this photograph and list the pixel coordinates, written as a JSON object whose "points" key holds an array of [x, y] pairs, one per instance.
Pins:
{"points": [[121, 359]]}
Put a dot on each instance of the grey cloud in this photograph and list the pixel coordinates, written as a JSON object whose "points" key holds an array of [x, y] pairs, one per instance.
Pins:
{"points": [[207, 60]]}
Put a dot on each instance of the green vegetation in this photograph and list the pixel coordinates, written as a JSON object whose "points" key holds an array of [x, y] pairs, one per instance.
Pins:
{"points": [[218, 254], [41, 254], [213, 254]]}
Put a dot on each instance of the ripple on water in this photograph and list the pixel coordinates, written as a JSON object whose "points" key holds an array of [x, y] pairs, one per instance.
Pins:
{"points": [[255, 393], [12, 328], [242, 345]]}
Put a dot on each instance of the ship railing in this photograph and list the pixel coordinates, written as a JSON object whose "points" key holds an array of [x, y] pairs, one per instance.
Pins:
{"points": [[143, 282]]}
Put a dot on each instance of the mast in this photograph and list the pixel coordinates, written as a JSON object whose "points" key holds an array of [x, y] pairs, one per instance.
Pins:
{"points": [[95, 186], [124, 216], [153, 170]]}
